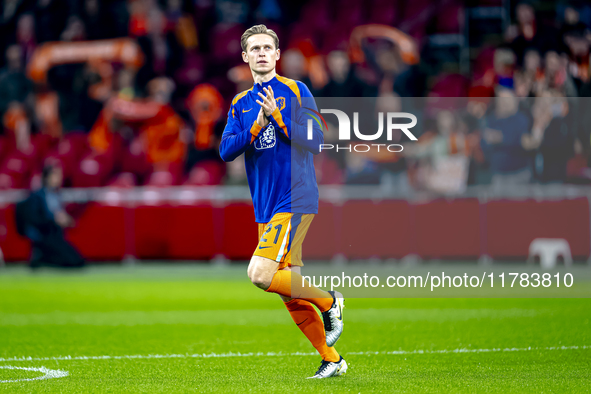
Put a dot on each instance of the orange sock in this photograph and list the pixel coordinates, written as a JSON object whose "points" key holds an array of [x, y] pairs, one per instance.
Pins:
{"points": [[308, 320], [282, 285]]}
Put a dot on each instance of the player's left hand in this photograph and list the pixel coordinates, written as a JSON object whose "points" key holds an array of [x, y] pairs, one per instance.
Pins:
{"points": [[268, 102]]}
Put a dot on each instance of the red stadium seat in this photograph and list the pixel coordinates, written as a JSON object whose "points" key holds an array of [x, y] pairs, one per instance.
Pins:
{"points": [[43, 145], [371, 229], [240, 231], [206, 173], [316, 16], [450, 85], [151, 226], [14, 247], [175, 232], [511, 226], [448, 229], [93, 170], [134, 160], [323, 236], [4, 147], [68, 152], [123, 180], [17, 169], [301, 32], [384, 12], [167, 175], [100, 233], [417, 15], [225, 42], [350, 13], [338, 39], [450, 18], [193, 233]]}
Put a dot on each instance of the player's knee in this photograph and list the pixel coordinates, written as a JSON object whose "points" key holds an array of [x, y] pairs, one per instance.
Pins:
{"points": [[260, 279], [259, 276]]}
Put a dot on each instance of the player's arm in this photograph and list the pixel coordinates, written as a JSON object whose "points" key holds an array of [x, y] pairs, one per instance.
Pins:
{"points": [[235, 139], [297, 131]]}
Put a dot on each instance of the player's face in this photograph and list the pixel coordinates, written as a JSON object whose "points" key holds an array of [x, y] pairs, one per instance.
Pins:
{"points": [[261, 54]]}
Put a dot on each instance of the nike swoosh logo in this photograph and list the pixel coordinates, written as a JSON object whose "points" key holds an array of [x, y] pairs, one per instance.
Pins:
{"points": [[246, 110], [264, 247], [298, 324]]}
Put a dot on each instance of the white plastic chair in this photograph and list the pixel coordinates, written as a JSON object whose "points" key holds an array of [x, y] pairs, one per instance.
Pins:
{"points": [[549, 249]]}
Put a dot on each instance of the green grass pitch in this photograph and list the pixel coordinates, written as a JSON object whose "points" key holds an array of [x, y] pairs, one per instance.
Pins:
{"points": [[190, 328]]}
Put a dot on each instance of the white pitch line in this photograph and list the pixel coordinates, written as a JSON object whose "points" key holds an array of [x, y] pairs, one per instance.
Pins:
{"points": [[48, 373], [280, 354]]}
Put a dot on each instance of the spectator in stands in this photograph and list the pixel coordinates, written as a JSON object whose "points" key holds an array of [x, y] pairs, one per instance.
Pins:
{"points": [[343, 82], [361, 170], [504, 66], [442, 154], [572, 21], [550, 137], [51, 17], [502, 141], [203, 161], [330, 164], [393, 165], [577, 45], [529, 32], [158, 142], [75, 30], [163, 54], [526, 79], [532, 63], [42, 219], [536, 58], [236, 174], [293, 66], [584, 116], [14, 84], [182, 24], [95, 21], [405, 80], [556, 75], [25, 35]]}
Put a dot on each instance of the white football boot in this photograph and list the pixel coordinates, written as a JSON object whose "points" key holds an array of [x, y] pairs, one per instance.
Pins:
{"points": [[329, 369], [333, 318]]}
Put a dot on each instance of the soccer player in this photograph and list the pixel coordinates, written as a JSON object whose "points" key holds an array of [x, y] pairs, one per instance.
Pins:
{"points": [[280, 171]]}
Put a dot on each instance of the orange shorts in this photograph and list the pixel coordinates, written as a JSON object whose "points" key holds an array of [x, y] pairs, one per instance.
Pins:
{"points": [[281, 239]]}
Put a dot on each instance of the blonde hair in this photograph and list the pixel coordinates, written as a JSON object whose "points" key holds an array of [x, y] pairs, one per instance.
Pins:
{"points": [[258, 29]]}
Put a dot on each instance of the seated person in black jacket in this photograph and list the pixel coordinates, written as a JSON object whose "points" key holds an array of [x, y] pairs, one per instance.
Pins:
{"points": [[42, 218]]}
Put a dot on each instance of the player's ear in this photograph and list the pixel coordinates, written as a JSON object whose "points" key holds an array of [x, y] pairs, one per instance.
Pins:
{"points": [[278, 53], [245, 57]]}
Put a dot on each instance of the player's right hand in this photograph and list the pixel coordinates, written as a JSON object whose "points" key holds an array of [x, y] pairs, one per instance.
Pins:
{"points": [[262, 120]]}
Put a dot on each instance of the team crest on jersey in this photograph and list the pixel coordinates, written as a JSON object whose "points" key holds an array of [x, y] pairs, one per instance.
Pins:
{"points": [[266, 138], [280, 103]]}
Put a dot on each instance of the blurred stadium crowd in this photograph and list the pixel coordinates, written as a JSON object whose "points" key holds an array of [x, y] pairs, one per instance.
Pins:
{"points": [[136, 92]]}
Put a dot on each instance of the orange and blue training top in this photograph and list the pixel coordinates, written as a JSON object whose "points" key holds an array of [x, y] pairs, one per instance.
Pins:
{"points": [[278, 157]]}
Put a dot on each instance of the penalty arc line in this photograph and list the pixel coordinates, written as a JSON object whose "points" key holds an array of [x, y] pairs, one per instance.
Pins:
{"points": [[281, 354], [48, 373]]}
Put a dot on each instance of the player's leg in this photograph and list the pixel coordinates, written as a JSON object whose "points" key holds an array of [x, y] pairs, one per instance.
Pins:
{"points": [[309, 322], [276, 241], [264, 273], [333, 317], [280, 245]]}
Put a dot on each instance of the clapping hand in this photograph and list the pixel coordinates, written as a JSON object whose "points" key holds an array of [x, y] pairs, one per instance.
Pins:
{"points": [[268, 105]]}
